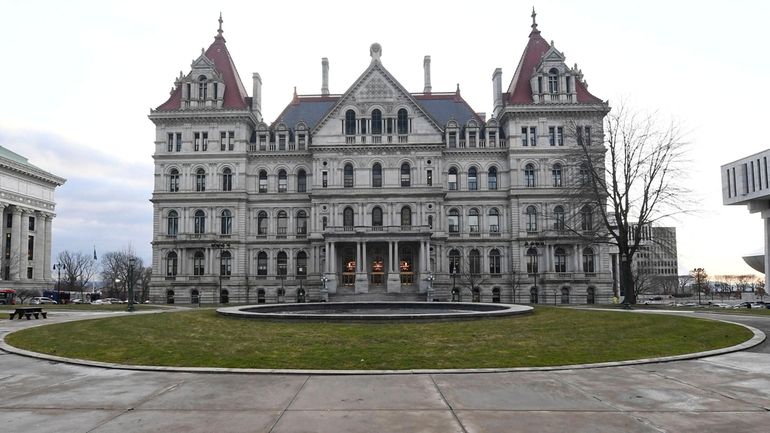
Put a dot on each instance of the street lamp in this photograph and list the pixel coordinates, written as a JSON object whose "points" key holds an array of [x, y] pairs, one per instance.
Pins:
{"points": [[554, 297], [324, 292], [513, 286], [220, 246], [58, 267], [131, 263], [300, 277], [430, 279]]}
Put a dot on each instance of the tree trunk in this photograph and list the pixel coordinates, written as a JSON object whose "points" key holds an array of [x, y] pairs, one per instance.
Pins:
{"points": [[627, 282]]}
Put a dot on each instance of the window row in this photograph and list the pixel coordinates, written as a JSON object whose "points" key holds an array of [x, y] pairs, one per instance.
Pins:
{"points": [[199, 180], [557, 175], [200, 141], [474, 220], [530, 138], [376, 124], [473, 264], [472, 181], [560, 260], [585, 222], [226, 263]]}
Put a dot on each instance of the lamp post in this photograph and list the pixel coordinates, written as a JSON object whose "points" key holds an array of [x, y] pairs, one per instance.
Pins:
{"points": [[58, 267], [300, 277], [219, 246], [131, 263], [698, 273], [430, 279], [554, 297], [513, 286], [532, 266], [324, 291]]}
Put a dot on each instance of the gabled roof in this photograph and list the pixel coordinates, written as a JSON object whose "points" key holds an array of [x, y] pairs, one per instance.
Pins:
{"points": [[235, 94], [444, 107], [308, 109], [520, 90]]}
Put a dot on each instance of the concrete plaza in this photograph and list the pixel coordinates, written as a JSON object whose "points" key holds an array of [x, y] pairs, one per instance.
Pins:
{"points": [[725, 393]]}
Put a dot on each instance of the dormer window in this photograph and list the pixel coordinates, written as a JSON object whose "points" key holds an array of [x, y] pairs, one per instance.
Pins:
{"points": [[202, 87], [553, 81]]}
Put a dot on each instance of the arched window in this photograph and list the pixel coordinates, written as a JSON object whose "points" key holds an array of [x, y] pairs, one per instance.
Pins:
{"points": [[226, 223], [529, 175], [585, 174], [474, 262], [473, 182], [556, 175], [263, 181], [169, 296], [200, 180], [473, 220], [301, 223], [553, 81], [350, 122], [173, 223], [280, 261], [403, 122], [227, 179], [199, 221], [531, 219], [376, 175], [588, 260], [224, 296], [301, 271], [565, 295], [347, 218], [195, 297], [492, 178], [283, 182], [225, 263], [532, 257], [377, 217], [301, 181], [171, 264], [496, 295], [560, 260], [376, 122], [280, 229], [198, 263], [348, 176], [454, 261], [406, 175], [558, 217], [262, 263], [494, 220], [406, 218], [590, 295], [173, 180], [533, 295], [453, 221], [494, 262], [586, 218], [261, 296], [262, 223], [452, 179]]}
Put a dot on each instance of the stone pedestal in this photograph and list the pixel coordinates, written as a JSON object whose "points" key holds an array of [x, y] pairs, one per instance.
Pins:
{"points": [[362, 283], [331, 284], [394, 283]]}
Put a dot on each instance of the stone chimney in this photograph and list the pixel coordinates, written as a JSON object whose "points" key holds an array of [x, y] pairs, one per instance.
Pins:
{"points": [[256, 100], [325, 76], [497, 88], [426, 68]]}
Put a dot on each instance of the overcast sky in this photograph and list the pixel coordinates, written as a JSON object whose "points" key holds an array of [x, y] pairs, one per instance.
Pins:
{"points": [[79, 79]]}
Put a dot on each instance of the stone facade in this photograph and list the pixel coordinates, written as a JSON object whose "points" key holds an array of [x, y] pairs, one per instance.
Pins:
{"points": [[27, 203], [376, 192]]}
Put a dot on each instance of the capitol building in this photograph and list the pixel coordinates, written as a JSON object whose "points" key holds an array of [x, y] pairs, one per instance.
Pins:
{"points": [[379, 192]]}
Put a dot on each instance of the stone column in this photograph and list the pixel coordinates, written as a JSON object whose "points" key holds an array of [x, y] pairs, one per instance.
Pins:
{"points": [[39, 252], [767, 250], [3, 206], [15, 261]]}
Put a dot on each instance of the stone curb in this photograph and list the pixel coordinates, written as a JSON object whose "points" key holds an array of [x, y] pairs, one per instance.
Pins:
{"points": [[756, 339]]}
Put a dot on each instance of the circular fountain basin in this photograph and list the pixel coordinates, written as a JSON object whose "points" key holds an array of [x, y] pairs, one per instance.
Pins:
{"points": [[375, 311]]}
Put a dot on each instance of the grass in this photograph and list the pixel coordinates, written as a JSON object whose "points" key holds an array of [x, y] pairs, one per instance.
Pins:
{"points": [[550, 336], [703, 309]]}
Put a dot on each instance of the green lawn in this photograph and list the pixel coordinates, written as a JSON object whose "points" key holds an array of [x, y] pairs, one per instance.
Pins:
{"points": [[550, 336]]}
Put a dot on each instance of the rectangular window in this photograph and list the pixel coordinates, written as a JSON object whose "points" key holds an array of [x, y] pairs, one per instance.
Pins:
{"points": [[472, 139], [753, 184], [7, 246], [729, 185], [178, 141], [324, 179], [197, 141], [588, 135], [552, 135], [492, 139], [452, 139], [532, 136], [29, 273], [170, 142], [301, 141], [263, 142], [204, 141], [282, 142], [560, 136], [32, 224], [524, 141], [31, 248], [430, 177], [226, 140]]}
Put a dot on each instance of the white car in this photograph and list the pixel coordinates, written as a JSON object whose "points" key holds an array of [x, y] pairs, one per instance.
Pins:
{"points": [[42, 300]]}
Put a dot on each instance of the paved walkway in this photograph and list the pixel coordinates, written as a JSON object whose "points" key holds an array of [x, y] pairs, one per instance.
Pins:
{"points": [[726, 393]]}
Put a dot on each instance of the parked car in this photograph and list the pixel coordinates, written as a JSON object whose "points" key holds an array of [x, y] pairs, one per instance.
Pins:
{"points": [[112, 301], [42, 300]]}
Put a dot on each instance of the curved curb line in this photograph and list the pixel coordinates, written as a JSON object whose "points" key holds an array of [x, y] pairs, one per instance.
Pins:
{"points": [[756, 339]]}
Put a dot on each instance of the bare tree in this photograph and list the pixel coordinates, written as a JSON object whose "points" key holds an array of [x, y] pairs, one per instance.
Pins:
{"points": [[79, 269], [700, 278], [24, 294], [759, 288], [115, 271], [144, 283], [631, 182], [684, 281]]}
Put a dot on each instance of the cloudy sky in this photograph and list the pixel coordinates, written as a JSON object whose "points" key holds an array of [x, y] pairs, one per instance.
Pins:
{"points": [[79, 78]]}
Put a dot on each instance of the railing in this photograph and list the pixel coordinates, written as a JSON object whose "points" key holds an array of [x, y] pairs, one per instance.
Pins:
{"points": [[378, 229]]}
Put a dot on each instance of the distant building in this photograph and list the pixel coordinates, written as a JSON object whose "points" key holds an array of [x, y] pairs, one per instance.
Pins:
{"points": [[27, 203], [377, 192], [746, 181], [655, 262]]}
